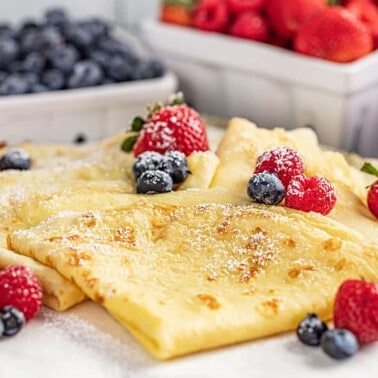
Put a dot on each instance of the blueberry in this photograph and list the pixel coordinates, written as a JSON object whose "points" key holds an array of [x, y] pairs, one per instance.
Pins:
{"points": [[80, 37], [339, 343], [7, 32], [3, 76], [63, 57], [119, 69], [154, 182], [175, 164], [85, 74], [30, 41], [96, 27], [142, 71], [100, 57], [8, 51], [2, 327], [34, 62], [148, 161], [16, 66], [53, 79], [50, 37], [14, 84], [115, 47], [157, 67], [266, 188], [56, 17], [12, 319], [38, 88], [31, 78], [26, 27], [311, 329], [15, 159]]}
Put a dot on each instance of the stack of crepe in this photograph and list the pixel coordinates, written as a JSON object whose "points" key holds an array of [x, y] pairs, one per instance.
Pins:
{"points": [[193, 269]]}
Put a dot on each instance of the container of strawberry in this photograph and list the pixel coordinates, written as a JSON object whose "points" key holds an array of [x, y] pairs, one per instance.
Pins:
{"points": [[281, 63]]}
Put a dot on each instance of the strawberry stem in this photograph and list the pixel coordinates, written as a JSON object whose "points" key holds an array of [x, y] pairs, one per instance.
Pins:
{"points": [[333, 3], [176, 99]]}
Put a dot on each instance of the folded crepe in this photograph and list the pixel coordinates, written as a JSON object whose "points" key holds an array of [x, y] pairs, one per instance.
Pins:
{"points": [[72, 178], [182, 279]]}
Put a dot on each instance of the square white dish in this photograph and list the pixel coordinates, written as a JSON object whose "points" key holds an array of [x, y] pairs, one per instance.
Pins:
{"points": [[274, 87]]}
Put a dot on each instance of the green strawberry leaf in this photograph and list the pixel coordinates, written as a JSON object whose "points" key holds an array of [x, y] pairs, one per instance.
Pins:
{"points": [[153, 109], [370, 169], [177, 99], [128, 143], [137, 124]]}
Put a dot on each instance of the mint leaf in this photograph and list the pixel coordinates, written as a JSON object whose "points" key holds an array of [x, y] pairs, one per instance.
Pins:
{"points": [[370, 169]]}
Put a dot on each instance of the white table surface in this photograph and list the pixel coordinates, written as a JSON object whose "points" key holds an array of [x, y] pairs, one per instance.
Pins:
{"points": [[87, 342]]}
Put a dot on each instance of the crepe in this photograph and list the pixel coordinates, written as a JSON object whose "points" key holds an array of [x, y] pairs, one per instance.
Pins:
{"points": [[182, 279], [73, 178]]}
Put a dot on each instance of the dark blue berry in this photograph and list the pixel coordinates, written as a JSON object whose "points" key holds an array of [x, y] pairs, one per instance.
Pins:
{"points": [[80, 37], [7, 32], [175, 164], [339, 343], [63, 58], [148, 161], [15, 159], [157, 67], [154, 182], [17, 66], [2, 327], [50, 37], [115, 47], [119, 69], [8, 51], [85, 74], [96, 27], [100, 57], [266, 188], [38, 88], [12, 319], [14, 84], [34, 62], [311, 329], [30, 41], [56, 17], [3, 76], [142, 71], [53, 79]]}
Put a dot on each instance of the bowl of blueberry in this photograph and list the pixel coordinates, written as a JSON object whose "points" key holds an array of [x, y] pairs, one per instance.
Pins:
{"points": [[61, 77]]}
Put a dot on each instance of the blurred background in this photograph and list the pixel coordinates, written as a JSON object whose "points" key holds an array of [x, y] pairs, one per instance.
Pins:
{"points": [[126, 12]]}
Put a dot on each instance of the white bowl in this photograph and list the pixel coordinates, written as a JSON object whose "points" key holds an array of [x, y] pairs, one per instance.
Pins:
{"points": [[274, 87], [96, 112]]}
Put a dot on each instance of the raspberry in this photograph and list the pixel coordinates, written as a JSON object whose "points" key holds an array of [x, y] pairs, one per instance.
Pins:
{"points": [[285, 161], [20, 288], [372, 199], [356, 309], [311, 194], [251, 25]]}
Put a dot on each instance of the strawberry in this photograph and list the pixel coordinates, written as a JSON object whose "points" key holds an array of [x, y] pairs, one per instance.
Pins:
{"points": [[241, 6], [334, 34], [366, 12], [211, 15], [356, 309], [175, 14], [174, 127], [287, 15], [20, 288], [372, 197], [251, 25]]}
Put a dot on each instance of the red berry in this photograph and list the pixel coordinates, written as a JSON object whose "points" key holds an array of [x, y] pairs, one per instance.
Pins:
{"points": [[20, 288], [177, 127], [241, 6], [311, 194], [285, 161], [175, 14], [356, 309], [252, 26], [287, 15], [334, 34], [211, 15], [372, 199], [367, 13]]}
